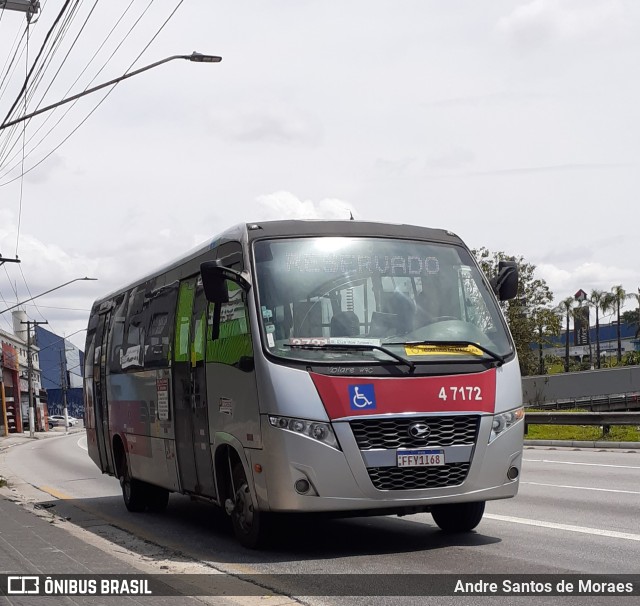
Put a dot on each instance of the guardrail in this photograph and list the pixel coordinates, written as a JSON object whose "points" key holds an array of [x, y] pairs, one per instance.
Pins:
{"points": [[612, 402], [602, 419]]}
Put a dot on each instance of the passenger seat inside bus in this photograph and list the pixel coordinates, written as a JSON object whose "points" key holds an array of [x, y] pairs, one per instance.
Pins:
{"points": [[345, 324], [403, 310]]}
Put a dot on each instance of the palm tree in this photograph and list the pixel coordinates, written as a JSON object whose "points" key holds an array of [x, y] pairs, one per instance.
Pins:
{"points": [[636, 296], [607, 305], [566, 306], [618, 296], [595, 299], [547, 323]]}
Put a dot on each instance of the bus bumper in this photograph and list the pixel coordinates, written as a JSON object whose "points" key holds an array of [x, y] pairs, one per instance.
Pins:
{"points": [[339, 481]]}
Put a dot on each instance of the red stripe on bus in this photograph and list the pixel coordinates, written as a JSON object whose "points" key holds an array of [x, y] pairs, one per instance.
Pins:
{"points": [[451, 393]]}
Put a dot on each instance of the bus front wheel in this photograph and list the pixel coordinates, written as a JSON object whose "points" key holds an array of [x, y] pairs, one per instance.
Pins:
{"points": [[133, 491], [458, 517], [249, 523]]}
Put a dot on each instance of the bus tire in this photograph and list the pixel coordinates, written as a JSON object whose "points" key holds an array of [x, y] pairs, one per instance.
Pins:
{"points": [[458, 517], [133, 491], [250, 525], [157, 498]]}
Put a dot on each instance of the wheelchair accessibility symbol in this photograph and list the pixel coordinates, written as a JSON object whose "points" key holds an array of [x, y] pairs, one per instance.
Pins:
{"points": [[362, 396]]}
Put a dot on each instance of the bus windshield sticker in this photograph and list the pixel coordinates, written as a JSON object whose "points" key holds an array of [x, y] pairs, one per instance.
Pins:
{"points": [[448, 350], [320, 341], [353, 341]]}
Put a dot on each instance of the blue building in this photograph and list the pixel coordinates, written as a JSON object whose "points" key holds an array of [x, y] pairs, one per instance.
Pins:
{"points": [[608, 342], [61, 365]]}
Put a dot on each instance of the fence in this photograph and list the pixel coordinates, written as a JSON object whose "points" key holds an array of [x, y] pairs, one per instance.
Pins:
{"points": [[601, 419]]}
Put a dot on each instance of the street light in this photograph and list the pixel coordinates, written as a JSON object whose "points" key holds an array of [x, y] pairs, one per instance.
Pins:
{"points": [[46, 292], [194, 57]]}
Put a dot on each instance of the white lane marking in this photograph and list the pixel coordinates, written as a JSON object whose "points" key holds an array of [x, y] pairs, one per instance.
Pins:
{"points": [[82, 443], [585, 464], [568, 527], [582, 487]]}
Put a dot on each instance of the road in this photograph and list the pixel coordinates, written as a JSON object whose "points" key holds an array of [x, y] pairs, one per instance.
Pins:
{"points": [[576, 513]]}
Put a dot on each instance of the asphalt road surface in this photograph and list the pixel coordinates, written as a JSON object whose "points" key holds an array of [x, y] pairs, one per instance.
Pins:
{"points": [[577, 513]]}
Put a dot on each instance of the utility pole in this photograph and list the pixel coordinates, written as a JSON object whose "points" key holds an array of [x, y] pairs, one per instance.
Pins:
{"points": [[32, 403], [63, 386], [31, 7]]}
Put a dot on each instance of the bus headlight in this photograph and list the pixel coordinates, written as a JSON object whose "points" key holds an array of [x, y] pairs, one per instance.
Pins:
{"points": [[504, 420], [312, 429]]}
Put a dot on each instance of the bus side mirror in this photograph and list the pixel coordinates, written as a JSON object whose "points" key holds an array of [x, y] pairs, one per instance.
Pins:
{"points": [[214, 279], [505, 283]]}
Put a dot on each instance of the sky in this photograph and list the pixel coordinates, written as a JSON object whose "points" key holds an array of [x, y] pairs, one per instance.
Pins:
{"points": [[514, 124]]}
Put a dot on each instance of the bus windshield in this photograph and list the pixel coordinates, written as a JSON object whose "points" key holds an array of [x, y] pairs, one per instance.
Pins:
{"points": [[358, 299]]}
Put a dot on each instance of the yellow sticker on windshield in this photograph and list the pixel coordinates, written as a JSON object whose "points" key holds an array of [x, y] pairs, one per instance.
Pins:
{"points": [[427, 350]]}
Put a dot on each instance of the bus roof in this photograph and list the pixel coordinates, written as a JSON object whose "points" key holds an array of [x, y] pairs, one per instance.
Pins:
{"points": [[265, 229], [247, 232]]}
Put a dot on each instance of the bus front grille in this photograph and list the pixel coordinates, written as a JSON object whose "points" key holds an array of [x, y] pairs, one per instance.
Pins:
{"points": [[416, 478], [393, 432]]}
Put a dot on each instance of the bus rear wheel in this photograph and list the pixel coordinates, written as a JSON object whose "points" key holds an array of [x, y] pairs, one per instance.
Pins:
{"points": [[250, 525], [458, 517]]}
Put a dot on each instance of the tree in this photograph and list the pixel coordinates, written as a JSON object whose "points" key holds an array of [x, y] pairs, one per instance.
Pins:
{"points": [[547, 323], [633, 317], [566, 306], [595, 300], [522, 312], [618, 296]]}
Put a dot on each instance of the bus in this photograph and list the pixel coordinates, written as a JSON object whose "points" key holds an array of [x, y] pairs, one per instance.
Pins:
{"points": [[347, 368]]}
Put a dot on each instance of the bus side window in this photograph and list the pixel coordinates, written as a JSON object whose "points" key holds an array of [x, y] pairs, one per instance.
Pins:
{"points": [[159, 323], [117, 332], [233, 345], [133, 340]]}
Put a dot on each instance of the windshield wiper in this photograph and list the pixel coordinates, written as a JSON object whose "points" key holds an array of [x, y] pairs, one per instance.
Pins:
{"points": [[354, 347], [497, 357]]}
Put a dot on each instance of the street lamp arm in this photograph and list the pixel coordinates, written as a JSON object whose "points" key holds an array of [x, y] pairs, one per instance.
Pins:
{"points": [[194, 57], [46, 292]]}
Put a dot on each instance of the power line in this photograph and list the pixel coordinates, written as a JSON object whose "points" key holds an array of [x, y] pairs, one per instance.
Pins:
{"points": [[24, 131], [36, 78], [94, 109], [68, 52], [49, 33], [30, 152], [5, 153]]}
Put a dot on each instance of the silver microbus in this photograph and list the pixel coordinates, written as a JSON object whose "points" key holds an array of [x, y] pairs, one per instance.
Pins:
{"points": [[344, 367]]}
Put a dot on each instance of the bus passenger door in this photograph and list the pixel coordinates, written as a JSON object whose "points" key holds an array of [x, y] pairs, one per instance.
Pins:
{"points": [[101, 404], [191, 413], [231, 378]]}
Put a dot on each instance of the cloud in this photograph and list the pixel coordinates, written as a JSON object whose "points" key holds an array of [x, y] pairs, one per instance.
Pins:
{"points": [[452, 159], [393, 168], [285, 205], [546, 21], [281, 125], [566, 281]]}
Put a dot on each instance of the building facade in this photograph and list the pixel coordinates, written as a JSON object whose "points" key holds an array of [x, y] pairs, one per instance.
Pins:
{"points": [[14, 371], [61, 365], [585, 348]]}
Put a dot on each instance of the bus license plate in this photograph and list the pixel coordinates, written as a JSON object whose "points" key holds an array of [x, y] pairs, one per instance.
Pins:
{"points": [[420, 458]]}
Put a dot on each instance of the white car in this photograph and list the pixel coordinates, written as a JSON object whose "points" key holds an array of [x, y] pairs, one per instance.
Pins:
{"points": [[59, 420]]}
